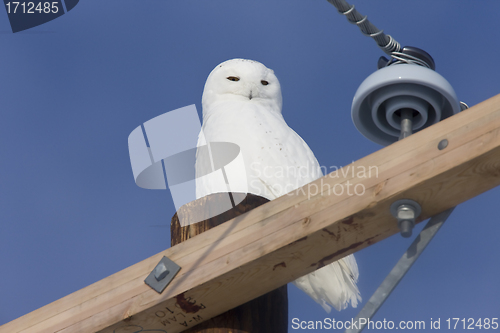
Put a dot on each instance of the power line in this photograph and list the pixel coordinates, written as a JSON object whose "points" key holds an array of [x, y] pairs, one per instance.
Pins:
{"points": [[385, 42]]}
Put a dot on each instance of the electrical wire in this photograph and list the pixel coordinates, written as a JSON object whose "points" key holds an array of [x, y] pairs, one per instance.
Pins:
{"points": [[403, 58], [388, 44], [385, 42]]}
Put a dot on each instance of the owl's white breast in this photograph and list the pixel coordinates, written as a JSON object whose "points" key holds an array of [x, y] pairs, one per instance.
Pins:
{"points": [[276, 159]]}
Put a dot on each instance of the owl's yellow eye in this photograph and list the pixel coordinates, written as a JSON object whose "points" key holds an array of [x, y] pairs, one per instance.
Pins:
{"points": [[233, 78], [264, 82]]}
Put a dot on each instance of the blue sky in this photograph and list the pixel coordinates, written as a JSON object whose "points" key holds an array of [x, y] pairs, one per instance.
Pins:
{"points": [[73, 89]]}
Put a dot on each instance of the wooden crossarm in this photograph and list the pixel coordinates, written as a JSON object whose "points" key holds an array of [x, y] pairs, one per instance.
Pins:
{"points": [[290, 236]]}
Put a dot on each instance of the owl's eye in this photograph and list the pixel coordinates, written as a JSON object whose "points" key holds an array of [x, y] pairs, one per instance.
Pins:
{"points": [[233, 78], [264, 82]]}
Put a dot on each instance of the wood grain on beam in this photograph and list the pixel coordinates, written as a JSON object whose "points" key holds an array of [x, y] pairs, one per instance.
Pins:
{"points": [[290, 236]]}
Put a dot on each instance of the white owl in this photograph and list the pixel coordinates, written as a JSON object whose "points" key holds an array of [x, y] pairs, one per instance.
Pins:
{"points": [[242, 105]]}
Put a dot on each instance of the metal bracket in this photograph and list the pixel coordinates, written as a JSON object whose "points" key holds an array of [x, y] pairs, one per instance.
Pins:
{"points": [[399, 271], [162, 275]]}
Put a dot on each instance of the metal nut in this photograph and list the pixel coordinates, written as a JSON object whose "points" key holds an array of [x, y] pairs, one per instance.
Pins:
{"points": [[161, 271], [406, 212]]}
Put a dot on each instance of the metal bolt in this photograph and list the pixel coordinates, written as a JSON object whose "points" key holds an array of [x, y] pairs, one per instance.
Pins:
{"points": [[442, 144], [405, 211], [406, 220], [406, 123], [161, 271]]}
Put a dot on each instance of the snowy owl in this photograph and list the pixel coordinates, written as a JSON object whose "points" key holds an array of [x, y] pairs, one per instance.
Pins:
{"points": [[242, 105]]}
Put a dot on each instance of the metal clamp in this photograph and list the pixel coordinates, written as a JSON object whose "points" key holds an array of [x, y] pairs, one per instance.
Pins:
{"points": [[162, 275]]}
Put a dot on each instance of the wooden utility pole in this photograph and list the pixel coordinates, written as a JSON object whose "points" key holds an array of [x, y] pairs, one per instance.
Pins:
{"points": [[265, 314], [279, 241]]}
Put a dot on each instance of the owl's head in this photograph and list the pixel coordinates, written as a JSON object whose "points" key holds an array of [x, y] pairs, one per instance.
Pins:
{"points": [[244, 81]]}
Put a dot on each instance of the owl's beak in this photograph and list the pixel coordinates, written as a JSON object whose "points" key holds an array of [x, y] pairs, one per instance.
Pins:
{"points": [[250, 96]]}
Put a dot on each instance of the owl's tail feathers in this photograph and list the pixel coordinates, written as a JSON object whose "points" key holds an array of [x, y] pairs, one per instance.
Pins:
{"points": [[334, 284]]}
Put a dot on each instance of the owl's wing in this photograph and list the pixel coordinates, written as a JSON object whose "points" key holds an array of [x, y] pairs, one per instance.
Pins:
{"points": [[334, 284]]}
